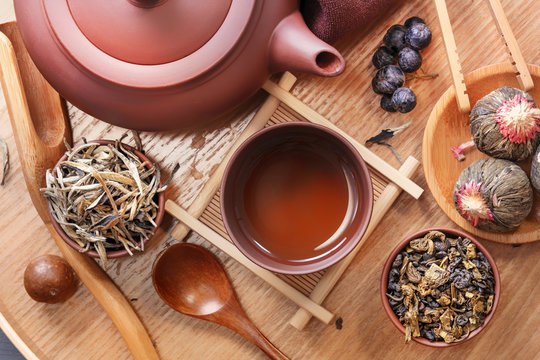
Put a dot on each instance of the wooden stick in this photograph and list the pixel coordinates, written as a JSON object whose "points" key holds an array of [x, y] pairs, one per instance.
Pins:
{"points": [[453, 58], [257, 123], [334, 273], [522, 72], [376, 162], [227, 247], [38, 152]]}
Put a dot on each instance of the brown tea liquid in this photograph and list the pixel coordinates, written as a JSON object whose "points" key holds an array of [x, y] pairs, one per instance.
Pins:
{"points": [[297, 202]]}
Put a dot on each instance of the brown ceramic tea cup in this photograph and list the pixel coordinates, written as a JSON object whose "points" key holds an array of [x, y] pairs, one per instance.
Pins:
{"points": [[113, 253], [296, 198], [447, 231]]}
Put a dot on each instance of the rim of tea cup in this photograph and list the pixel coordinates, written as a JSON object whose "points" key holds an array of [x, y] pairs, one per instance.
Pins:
{"points": [[284, 266]]}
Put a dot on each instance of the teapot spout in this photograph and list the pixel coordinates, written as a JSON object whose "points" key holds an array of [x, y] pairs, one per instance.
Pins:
{"points": [[294, 47]]}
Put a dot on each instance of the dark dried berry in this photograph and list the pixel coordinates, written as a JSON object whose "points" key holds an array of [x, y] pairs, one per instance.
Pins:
{"points": [[395, 37], [387, 104], [388, 79], [413, 20], [374, 87], [418, 36], [409, 60], [383, 56], [404, 99]]}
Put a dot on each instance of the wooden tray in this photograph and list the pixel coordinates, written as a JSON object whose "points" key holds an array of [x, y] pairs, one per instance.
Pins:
{"points": [[80, 330], [318, 285], [442, 169]]}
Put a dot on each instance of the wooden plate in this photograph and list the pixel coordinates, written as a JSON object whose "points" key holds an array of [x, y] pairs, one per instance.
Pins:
{"points": [[447, 127]]}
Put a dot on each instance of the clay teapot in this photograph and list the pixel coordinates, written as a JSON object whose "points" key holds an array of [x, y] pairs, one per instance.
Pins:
{"points": [[167, 64]]}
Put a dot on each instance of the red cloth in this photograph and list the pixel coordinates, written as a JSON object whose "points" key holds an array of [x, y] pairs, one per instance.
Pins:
{"points": [[331, 19]]}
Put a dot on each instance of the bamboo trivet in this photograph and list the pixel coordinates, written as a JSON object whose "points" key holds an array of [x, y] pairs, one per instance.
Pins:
{"points": [[308, 290]]}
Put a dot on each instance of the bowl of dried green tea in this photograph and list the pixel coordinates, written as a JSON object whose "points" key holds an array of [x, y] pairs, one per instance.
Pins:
{"points": [[440, 287], [105, 199]]}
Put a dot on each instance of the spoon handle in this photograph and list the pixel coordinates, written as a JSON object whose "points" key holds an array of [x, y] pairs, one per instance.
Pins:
{"points": [[233, 316], [266, 346]]}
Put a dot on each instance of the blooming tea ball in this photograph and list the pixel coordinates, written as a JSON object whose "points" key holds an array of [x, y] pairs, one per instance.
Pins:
{"points": [[535, 170], [506, 124], [493, 195]]}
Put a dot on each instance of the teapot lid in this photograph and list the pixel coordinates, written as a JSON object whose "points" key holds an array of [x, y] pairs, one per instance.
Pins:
{"points": [[118, 39]]}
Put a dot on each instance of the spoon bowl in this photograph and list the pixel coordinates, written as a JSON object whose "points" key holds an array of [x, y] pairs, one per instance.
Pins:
{"points": [[173, 274], [191, 280]]}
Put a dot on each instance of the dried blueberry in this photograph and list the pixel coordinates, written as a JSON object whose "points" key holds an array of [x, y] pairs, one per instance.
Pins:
{"points": [[404, 99], [388, 79], [409, 60], [387, 104], [418, 36], [413, 20], [374, 87], [395, 37], [383, 56]]}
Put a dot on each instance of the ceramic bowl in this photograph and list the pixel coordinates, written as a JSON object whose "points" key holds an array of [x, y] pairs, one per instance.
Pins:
{"points": [[115, 253], [297, 136], [384, 284]]}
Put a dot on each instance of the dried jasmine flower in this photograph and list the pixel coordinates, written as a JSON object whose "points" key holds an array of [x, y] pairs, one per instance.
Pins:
{"points": [[505, 124], [447, 300], [493, 195]]}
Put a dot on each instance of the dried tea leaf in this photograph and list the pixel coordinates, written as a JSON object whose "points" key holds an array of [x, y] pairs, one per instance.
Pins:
{"points": [[436, 276], [471, 251], [5, 161], [455, 291], [388, 133], [413, 274], [102, 197]]}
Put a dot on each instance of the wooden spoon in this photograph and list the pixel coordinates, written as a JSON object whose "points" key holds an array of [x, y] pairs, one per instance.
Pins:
{"points": [[40, 125], [191, 280]]}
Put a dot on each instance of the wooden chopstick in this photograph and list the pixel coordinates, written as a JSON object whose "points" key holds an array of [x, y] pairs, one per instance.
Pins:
{"points": [[520, 66], [227, 247], [453, 59], [370, 158]]}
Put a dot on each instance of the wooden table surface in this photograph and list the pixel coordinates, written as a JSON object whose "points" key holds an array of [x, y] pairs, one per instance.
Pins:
{"points": [[79, 329]]}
